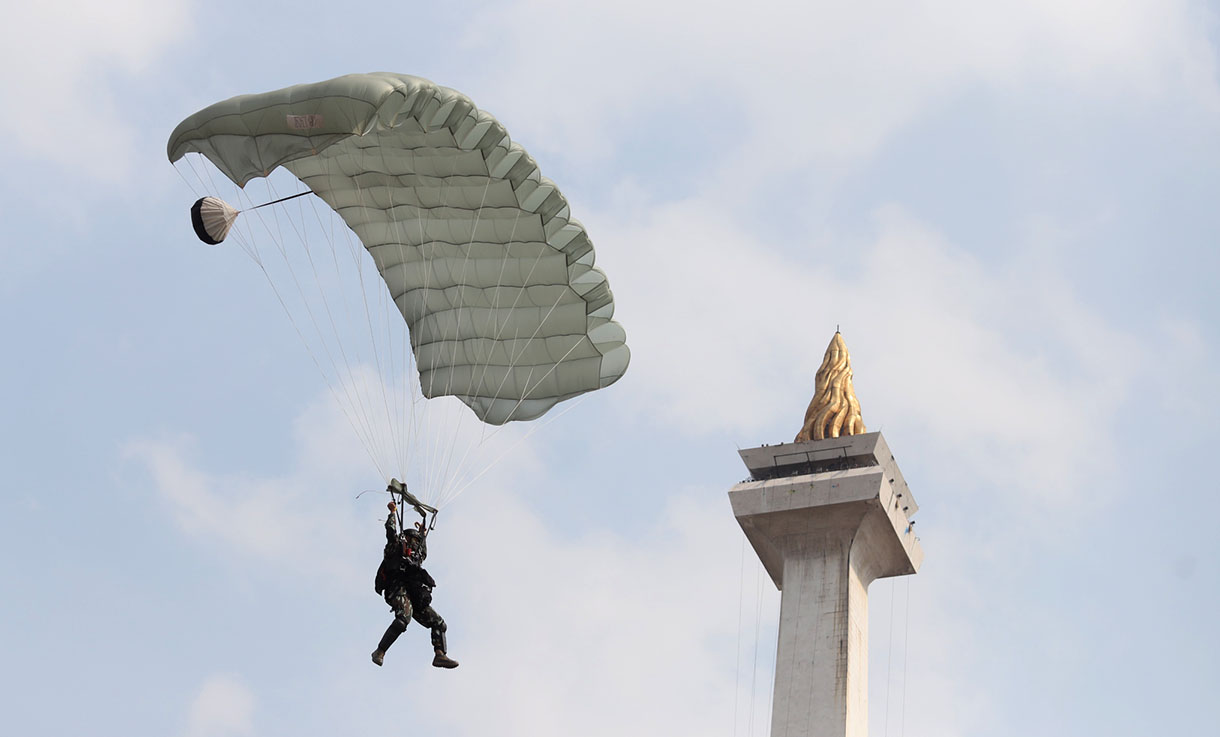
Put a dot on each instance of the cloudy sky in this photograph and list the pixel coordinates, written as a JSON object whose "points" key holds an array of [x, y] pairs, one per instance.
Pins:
{"points": [[1007, 207]]}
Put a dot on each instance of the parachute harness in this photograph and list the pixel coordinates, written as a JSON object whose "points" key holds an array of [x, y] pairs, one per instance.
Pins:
{"points": [[398, 489]]}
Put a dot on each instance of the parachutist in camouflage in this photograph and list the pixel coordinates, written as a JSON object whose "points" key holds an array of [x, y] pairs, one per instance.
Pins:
{"points": [[406, 586]]}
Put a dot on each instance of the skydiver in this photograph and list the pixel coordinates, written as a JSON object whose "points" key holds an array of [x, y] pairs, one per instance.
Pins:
{"points": [[406, 586]]}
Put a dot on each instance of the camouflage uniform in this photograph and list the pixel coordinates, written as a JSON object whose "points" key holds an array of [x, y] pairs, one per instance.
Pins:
{"points": [[407, 588]]}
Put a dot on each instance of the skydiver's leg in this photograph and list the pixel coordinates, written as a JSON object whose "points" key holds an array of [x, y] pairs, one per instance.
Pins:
{"points": [[428, 617], [401, 605]]}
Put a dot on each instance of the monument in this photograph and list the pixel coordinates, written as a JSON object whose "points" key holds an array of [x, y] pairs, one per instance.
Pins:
{"points": [[827, 515]]}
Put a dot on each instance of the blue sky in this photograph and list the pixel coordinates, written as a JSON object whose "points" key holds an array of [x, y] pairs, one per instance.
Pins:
{"points": [[1008, 207]]}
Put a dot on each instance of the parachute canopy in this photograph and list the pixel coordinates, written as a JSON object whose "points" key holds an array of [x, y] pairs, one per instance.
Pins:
{"points": [[480, 253]]}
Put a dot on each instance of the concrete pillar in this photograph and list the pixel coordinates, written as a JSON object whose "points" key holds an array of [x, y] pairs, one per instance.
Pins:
{"points": [[826, 518]]}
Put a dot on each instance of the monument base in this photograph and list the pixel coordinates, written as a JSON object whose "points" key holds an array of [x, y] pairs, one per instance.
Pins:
{"points": [[826, 518]]}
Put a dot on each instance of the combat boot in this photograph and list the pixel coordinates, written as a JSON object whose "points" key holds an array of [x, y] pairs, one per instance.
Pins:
{"points": [[443, 661], [392, 632]]}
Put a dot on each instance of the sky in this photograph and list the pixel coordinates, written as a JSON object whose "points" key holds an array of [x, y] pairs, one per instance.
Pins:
{"points": [[1006, 207]]}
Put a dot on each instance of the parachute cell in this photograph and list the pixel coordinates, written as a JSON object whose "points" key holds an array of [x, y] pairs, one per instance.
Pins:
{"points": [[496, 281]]}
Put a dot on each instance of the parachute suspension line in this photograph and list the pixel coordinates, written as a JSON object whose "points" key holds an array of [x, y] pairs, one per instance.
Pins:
{"points": [[500, 332], [456, 477], [401, 381], [203, 187], [500, 328], [450, 416], [373, 344], [388, 454], [484, 438], [402, 384], [355, 254], [491, 321], [365, 431], [248, 244], [445, 471], [419, 411], [326, 227], [243, 229], [427, 252], [533, 428], [555, 365], [212, 184], [529, 389], [385, 378], [495, 310], [446, 474], [405, 385], [512, 363], [347, 379], [183, 177], [889, 650], [435, 442]]}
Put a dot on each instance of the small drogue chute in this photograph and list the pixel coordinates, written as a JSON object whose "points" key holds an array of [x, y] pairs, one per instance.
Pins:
{"points": [[212, 217]]}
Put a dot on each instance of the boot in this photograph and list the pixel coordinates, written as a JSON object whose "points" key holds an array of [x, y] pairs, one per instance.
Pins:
{"points": [[443, 661], [392, 632]]}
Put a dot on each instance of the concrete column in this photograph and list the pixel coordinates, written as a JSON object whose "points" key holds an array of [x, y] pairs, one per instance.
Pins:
{"points": [[826, 518]]}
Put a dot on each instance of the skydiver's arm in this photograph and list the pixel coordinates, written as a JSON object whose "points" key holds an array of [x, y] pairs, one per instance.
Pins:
{"points": [[391, 525]]}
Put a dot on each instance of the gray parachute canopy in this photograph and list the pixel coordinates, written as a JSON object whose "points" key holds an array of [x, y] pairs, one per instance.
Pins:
{"points": [[480, 253]]}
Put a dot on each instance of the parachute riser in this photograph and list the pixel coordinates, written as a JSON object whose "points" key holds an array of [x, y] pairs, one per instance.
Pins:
{"points": [[408, 499], [276, 202]]}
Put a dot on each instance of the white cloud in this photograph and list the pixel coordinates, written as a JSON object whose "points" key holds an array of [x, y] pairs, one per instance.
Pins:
{"points": [[998, 365], [268, 518], [559, 632], [631, 629], [224, 707], [635, 626], [822, 81], [265, 519], [61, 58], [1183, 375]]}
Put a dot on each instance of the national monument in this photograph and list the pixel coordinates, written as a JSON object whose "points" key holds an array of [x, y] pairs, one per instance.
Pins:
{"points": [[827, 514]]}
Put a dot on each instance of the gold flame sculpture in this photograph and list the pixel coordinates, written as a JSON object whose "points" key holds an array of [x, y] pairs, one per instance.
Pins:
{"points": [[834, 411]]}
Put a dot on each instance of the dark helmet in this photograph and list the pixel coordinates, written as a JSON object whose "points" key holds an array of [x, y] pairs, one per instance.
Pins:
{"points": [[415, 543]]}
